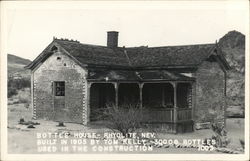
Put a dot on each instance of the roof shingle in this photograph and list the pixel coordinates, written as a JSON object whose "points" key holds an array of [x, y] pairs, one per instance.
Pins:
{"points": [[190, 55], [133, 57]]}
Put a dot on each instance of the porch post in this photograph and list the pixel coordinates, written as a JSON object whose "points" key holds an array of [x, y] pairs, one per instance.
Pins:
{"points": [[116, 94], [175, 94], [175, 107], [163, 96], [141, 87]]}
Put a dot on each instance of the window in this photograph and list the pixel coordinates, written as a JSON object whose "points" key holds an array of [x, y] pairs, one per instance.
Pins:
{"points": [[59, 88]]}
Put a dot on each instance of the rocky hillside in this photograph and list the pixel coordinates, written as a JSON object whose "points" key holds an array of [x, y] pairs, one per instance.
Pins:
{"points": [[233, 47], [16, 66]]}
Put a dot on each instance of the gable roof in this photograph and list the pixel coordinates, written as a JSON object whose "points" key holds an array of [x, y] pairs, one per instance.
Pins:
{"points": [[134, 57]]}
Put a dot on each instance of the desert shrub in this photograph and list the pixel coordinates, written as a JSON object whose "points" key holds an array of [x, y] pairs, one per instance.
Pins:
{"points": [[125, 118], [242, 143], [16, 84], [98, 114], [220, 134], [16, 102], [27, 105], [11, 91], [24, 97]]}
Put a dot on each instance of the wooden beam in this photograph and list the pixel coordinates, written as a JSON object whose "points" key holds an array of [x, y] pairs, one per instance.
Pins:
{"points": [[144, 81], [163, 96], [116, 85], [175, 107], [175, 94], [168, 67], [140, 88]]}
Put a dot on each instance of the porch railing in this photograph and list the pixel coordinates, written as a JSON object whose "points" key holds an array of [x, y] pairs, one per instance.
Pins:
{"points": [[184, 114], [159, 115], [166, 115]]}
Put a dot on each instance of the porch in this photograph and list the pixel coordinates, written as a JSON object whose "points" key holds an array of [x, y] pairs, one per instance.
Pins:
{"points": [[162, 102]]}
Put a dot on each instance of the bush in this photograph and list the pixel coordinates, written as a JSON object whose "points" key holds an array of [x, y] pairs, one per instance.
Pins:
{"points": [[220, 134], [16, 84], [11, 91], [98, 114], [24, 96], [16, 102], [242, 143], [125, 118], [23, 100]]}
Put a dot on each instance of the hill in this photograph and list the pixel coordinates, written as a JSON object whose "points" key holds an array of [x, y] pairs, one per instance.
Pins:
{"points": [[16, 66], [233, 48]]}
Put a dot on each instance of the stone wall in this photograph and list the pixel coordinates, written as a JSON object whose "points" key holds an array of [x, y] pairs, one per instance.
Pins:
{"points": [[59, 67], [210, 99]]}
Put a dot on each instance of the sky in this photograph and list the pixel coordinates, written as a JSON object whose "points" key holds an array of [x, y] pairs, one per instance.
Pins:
{"points": [[31, 27]]}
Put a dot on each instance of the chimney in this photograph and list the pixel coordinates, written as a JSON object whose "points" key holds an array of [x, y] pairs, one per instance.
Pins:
{"points": [[112, 41]]}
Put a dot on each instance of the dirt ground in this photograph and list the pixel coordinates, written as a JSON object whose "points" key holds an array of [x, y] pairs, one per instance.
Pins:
{"points": [[23, 140]]}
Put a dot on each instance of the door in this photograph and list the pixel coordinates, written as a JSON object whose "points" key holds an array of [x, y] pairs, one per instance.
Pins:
{"points": [[60, 113]]}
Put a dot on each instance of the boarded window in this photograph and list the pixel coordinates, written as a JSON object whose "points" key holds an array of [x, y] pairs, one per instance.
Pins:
{"points": [[60, 88]]}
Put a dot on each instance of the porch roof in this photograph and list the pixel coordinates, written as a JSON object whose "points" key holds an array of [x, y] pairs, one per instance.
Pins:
{"points": [[128, 75]]}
